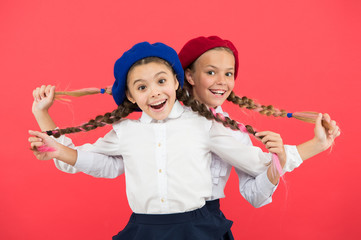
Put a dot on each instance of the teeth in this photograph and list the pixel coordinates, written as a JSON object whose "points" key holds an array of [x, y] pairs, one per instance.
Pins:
{"points": [[220, 92], [158, 103]]}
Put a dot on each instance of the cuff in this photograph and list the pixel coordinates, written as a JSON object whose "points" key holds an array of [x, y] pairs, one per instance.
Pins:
{"points": [[264, 184], [84, 161], [293, 158]]}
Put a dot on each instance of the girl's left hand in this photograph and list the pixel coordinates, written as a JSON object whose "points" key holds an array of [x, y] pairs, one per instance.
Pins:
{"points": [[43, 146], [274, 143], [326, 137]]}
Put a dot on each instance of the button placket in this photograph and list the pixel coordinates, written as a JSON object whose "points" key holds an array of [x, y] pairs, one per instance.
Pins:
{"points": [[160, 133]]}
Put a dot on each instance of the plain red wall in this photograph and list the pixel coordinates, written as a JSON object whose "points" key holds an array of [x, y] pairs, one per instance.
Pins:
{"points": [[296, 55]]}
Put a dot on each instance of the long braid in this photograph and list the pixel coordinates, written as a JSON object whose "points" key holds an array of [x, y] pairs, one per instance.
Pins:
{"points": [[122, 111], [248, 103], [202, 109], [269, 110]]}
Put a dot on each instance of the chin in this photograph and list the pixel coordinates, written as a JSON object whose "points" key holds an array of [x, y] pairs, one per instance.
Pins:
{"points": [[217, 103]]}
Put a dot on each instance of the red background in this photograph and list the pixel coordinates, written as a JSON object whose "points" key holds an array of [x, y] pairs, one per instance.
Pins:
{"points": [[296, 55]]}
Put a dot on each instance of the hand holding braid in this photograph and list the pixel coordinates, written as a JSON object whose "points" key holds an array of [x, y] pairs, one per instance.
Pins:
{"points": [[43, 98]]}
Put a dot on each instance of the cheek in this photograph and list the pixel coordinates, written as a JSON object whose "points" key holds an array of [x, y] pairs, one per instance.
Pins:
{"points": [[205, 81], [171, 92], [231, 85]]}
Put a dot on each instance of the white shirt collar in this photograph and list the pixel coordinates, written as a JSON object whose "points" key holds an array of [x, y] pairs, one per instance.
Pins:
{"points": [[219, 109], [176, 112]]}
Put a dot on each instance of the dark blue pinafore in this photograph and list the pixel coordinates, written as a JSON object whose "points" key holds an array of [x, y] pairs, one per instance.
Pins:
{"points": [[214, 208], [199, 224]]}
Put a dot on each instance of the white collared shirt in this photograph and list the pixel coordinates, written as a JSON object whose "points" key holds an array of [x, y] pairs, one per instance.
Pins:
{"points": [[166, 163]]}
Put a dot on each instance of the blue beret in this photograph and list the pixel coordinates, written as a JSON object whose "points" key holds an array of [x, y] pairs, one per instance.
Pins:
{"points": [[136, 53]]}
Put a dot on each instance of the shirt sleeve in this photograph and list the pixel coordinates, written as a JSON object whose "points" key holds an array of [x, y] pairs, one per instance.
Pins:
{"points": [[294, 159], [99, 165], [101, 159], [257, 190], [249, 159]]}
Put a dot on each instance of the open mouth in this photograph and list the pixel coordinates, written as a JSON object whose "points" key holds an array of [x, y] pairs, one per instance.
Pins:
{"points": [[218, 92], [158, 105]]}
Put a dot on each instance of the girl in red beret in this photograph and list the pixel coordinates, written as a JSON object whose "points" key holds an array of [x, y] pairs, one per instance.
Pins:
{"points": [[211, 67]]}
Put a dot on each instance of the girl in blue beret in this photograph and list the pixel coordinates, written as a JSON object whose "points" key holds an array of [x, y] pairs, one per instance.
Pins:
{"points": [[165, 154], [211, 67]]}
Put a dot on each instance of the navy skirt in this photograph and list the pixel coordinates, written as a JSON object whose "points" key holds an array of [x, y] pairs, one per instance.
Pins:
{"points": [[214, 208], [198, 224]]}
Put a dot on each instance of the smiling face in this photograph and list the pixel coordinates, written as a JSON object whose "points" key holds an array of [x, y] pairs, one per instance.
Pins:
{"points": [[152, 86], [212, 77]]}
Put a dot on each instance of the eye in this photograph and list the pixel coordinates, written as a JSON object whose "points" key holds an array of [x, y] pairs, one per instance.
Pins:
{"points": [[211, 73], [141, 87], [229, 74], [161, 81]]}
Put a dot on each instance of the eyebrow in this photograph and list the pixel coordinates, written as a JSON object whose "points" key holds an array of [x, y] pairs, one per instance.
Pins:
{"points": [[155, 75], [231, 68], [159, 73]]}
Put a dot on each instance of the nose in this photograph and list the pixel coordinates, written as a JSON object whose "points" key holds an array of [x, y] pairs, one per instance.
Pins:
{"points": [[155, 92], [221, 79]]}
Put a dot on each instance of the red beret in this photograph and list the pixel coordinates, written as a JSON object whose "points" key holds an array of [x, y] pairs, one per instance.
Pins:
{"points": [[194, 48]]}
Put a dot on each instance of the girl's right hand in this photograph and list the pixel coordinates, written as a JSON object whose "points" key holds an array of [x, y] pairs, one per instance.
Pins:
{"points": [[43, 98], [43, 146], [325, 137]]}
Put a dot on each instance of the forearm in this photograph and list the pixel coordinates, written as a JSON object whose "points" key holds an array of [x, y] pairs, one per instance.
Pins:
{"points": [[44, 120], [293, 160], [310, 148], [67, 155], [273, 174], [256, 190]]}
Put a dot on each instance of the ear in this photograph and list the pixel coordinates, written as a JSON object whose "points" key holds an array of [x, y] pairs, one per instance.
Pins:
{"points": [[176, 81], [129, 96], [189, 76]]}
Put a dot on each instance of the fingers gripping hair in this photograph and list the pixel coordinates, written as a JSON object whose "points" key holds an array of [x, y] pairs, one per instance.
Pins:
{"points": [[202, 109], [122, 111]]}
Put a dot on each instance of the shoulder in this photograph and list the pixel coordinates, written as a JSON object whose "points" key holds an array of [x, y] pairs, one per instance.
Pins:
{"points": [[195, 118], [240, 136], [122, 123]]}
